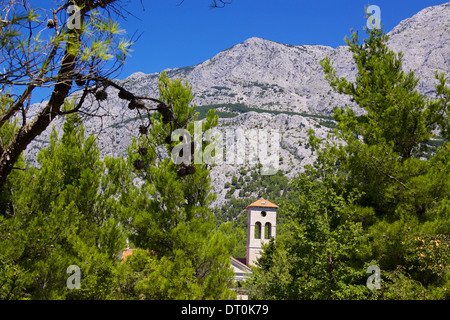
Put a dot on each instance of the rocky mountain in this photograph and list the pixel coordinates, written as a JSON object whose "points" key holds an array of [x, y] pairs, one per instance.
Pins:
{"points": [[273, 76], [264, 84]]}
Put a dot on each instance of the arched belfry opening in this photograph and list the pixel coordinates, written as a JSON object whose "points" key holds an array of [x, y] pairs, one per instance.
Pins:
{"points": [[267, 230], [257, 230], [261, 226]]}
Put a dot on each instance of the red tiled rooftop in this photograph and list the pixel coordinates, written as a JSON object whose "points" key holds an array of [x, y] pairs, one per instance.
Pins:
{"points": [[126, 253], [262, 203]]}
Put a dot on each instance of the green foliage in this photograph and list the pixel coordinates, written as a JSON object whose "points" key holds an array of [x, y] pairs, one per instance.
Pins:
{"points": [[238, 108], [372, 200], [384, 145], [397, 115], [272, 280], [197, 268], [380, 198], [168, 216], [99, 41], [78, 210], [251, 186], [144, 276], [322, 245], [7, 132], [61, 216]]}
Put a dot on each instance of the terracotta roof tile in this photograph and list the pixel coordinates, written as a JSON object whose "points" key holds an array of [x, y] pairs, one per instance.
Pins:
{"points": [[126, 253], [129, 252], [262, 203]]}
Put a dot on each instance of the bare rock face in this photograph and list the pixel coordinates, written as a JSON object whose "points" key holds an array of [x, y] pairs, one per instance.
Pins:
{"points": [[286, 81], [424, 40], [273, 76]]}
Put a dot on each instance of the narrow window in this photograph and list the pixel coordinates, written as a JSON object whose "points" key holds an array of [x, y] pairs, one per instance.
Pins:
{"points": [[258, 230], [267, 230]]}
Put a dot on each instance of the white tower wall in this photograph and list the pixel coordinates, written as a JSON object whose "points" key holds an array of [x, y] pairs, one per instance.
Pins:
{"points": [[261, 215]]}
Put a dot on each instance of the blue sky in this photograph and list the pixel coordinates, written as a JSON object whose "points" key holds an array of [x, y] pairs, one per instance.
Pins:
{"points": [[183, 35], [178, 36]]}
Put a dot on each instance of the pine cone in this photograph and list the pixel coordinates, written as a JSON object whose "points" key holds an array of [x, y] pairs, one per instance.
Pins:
{"points": [[185, 170], [181, 172], [126, 95], [50, 23], [136, 104], [80, 82], [142, 151], [139, 164], [190, 169], [167, 114], [143, 129], [101, 95]]}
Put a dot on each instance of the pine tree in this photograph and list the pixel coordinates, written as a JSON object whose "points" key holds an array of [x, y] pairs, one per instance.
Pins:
{"points": [[372, 200], [168, 215], [61, 218], [384, 158], [385, 144], [318, 255], [396, 113]]}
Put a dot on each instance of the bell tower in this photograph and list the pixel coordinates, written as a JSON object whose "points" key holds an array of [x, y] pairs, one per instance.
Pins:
{"points": [[261, 226]]}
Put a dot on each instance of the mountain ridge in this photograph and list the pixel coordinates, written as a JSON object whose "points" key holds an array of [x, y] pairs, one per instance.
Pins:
{"points": [[283, 81]]}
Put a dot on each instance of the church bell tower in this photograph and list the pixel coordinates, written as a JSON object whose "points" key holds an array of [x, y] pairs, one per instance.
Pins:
{"points": [[261, 226]]}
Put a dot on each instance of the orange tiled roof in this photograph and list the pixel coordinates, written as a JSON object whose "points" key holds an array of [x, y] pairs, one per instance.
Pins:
{"points": [[126, 253], [262, 203], [129, 252]]}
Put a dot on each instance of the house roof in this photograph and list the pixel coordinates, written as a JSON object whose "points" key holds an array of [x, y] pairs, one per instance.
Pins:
{"points": [[262, 203], [238, 265], [126, 253]]}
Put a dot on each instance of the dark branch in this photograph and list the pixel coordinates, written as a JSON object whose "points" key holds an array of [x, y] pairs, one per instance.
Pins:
{"points": [[220, 3]]}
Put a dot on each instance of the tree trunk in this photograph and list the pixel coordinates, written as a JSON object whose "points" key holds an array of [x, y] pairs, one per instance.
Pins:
{"points": [[331, 272], [31, 130]]}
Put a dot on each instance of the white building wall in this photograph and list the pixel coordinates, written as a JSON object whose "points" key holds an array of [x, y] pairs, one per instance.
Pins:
{"points": [[254, 245]]}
